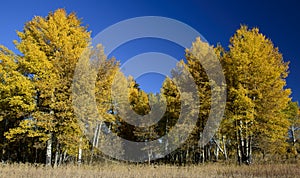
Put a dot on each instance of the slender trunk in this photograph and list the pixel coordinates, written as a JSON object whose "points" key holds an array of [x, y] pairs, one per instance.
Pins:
{"points": [[208, 152], [188, 155], [180, 157], [60, 159], [244, 144], [264, 155], [65, 156], [241, 142], [166, 141], [239, 155], [218, 147], [293, 135], [224, 146], [56, 155], [203, 155], [95, 140], [80, 152], [294, 140], [49, 150], [248, 146], [36, 156], [250, 150], [49, 142], [149, 155], [168, 157], [217, 153], [98, 134], [184, 156]]}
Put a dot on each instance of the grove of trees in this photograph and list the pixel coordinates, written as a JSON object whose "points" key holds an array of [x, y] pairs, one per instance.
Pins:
{"points": [[38, 123]]}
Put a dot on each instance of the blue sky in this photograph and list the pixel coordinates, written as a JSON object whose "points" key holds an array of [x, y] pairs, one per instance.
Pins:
{"points": [[215, 20]]}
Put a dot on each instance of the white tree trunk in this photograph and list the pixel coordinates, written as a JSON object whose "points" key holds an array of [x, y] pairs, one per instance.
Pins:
{"points": [[80, 152], [98, 134], [49, 150], [95, 140], [224, 146], [56, 156]]}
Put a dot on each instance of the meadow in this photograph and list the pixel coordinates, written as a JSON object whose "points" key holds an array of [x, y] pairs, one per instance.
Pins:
{"points": [[131, 171]]}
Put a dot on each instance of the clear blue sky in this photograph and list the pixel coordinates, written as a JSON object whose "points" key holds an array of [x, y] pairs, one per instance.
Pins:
{"points": [[215, 20]]}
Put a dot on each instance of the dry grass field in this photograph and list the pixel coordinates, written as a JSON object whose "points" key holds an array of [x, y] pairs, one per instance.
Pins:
{"points": [[126, 171]]}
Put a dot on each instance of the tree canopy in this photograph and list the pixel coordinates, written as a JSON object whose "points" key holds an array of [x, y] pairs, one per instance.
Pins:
{"points": [[60, 96]]}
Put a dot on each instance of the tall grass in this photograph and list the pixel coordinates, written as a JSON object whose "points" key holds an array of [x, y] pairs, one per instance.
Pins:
{"points": [[126, 171]]}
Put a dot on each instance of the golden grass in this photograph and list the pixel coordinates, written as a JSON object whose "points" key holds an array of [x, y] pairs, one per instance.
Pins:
{"points": [[129, 171]]}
